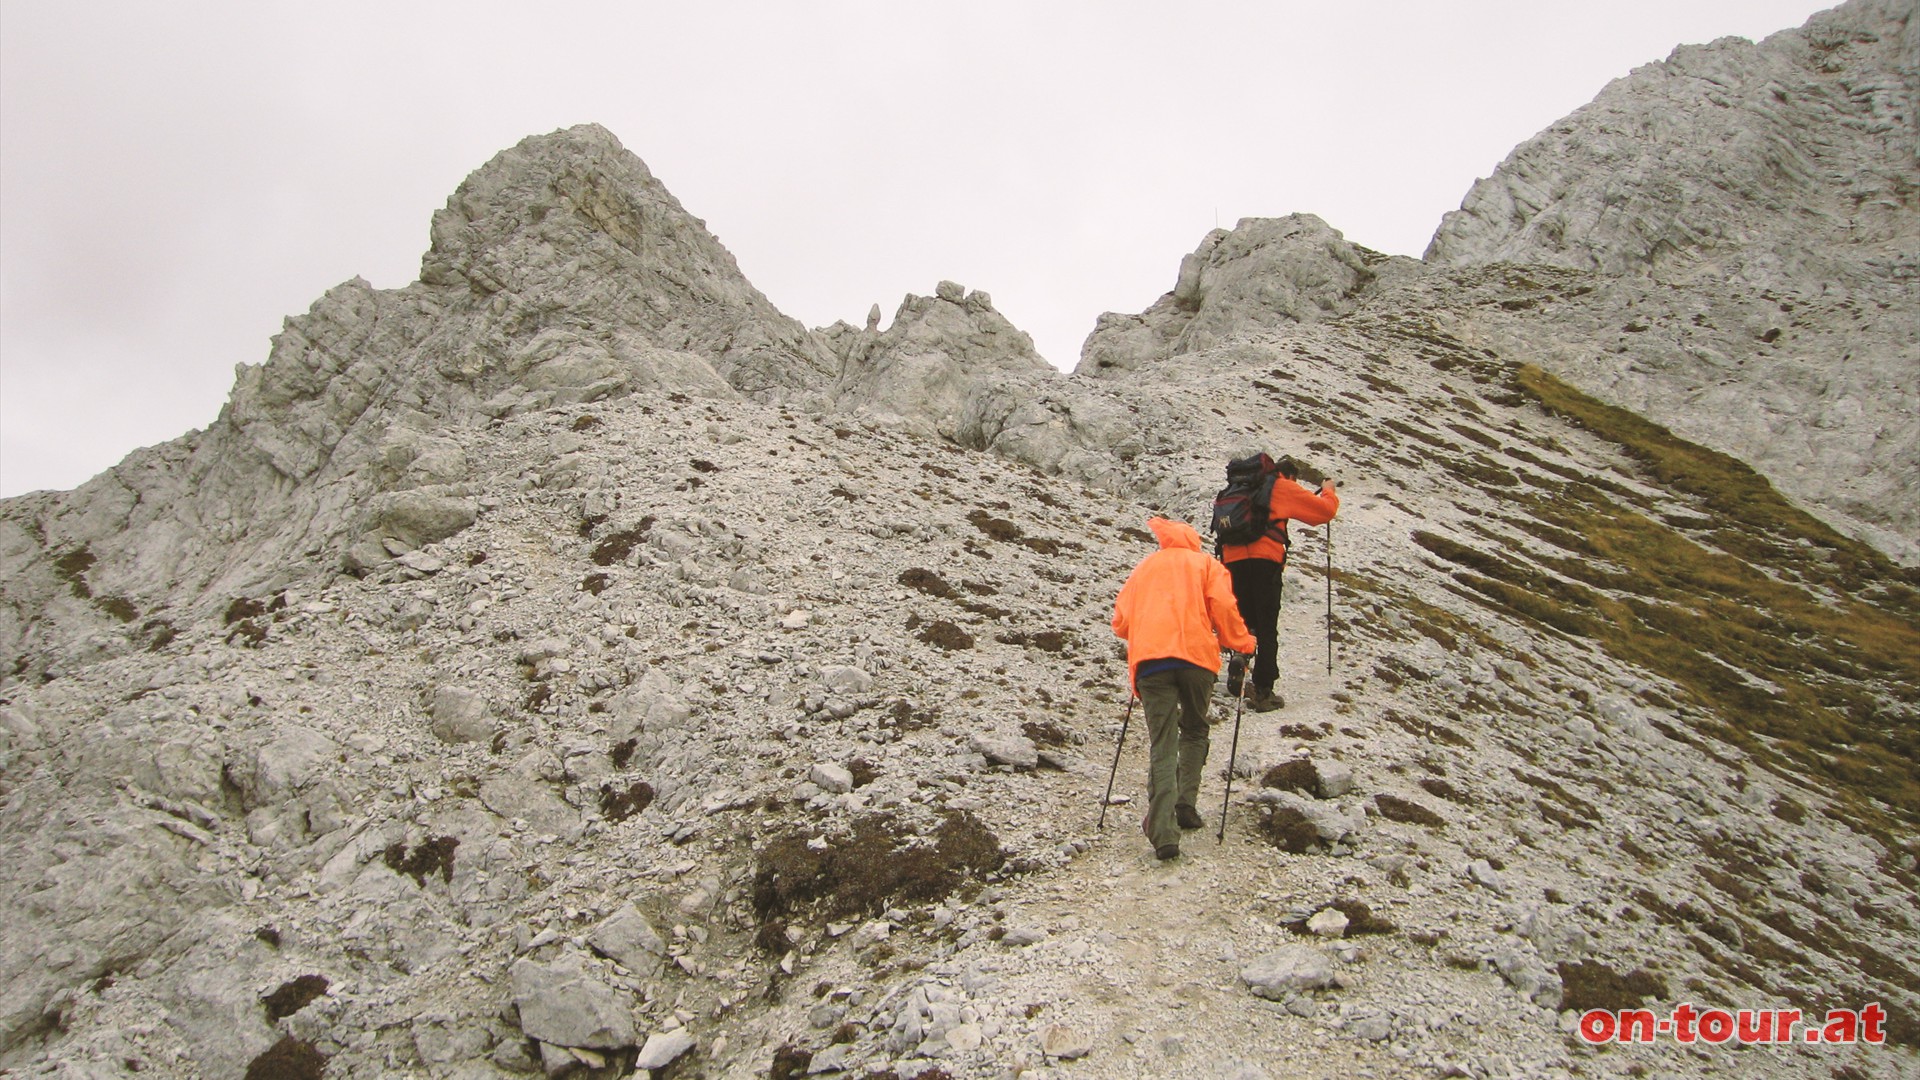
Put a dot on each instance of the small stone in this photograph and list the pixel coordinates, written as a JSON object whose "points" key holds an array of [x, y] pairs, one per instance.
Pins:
{"points": [[831, 778], [1482, 873], [1015, 750], [1061, 1041], [1328, 922], [1288, 969], [662, 1048], [965, 1037], [1023, 935], [1335, 778]]}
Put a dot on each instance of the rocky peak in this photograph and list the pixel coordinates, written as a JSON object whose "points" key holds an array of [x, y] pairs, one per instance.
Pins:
{"points": [[1263, 272], [1790, 161], [1744, 222], [939, 351]]}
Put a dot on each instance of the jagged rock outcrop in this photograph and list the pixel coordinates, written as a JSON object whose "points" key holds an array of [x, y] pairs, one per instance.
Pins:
{"points": [[1262, 272], [1746, 219], [560, 272], [938, 353]]}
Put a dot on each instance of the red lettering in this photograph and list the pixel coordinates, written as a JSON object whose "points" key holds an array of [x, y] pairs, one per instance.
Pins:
{"points": [[1756, 1025], [1637, 1025], [1784, 1022], [1596, 1025], [1871, 1017], [1842, 1026], [1716, 1025], [1683, 1017]]}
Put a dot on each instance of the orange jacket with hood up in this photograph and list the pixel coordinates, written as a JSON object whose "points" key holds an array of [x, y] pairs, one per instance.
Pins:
{"points": [[1291, 501], [1178, 604]]}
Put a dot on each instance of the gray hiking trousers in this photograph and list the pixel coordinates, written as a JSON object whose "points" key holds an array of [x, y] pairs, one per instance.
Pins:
{"points": [[1176, 706]]}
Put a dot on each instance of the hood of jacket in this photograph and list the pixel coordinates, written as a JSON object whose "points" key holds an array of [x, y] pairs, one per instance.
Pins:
{"points": [[1174, 534]]}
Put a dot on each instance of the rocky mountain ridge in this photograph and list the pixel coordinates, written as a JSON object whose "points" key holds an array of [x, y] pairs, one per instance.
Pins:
{"points": [[569, 664]]}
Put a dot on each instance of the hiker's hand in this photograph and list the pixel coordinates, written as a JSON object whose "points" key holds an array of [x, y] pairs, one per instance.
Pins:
{"points": [[1327, 487]]}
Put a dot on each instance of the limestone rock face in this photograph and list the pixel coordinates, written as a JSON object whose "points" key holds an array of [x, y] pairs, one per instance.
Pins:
{"points": [[1744, 221], [1787, 162], [938, 353], [1262, 272]]}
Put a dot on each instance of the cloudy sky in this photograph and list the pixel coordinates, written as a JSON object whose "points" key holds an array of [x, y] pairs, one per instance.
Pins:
{"points": [[176, 178]]}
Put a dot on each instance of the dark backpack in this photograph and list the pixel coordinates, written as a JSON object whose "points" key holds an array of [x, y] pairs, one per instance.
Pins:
{"points": [[1241, 510]]}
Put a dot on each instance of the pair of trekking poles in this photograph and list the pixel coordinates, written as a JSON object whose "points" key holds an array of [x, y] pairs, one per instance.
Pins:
{"points": [[1239, 705], [1107, 800]]}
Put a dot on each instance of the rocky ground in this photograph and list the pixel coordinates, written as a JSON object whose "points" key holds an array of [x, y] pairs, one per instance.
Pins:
{"points": [[529, 782], [569, 665]]}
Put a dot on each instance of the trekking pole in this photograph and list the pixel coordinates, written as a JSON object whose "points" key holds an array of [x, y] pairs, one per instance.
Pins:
{"points": [[1329, 598], [1233, 752], [1115, 771]]}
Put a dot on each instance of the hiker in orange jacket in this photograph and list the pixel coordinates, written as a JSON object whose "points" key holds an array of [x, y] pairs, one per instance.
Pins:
{"points": [[1176, 612], [1257, 569]]}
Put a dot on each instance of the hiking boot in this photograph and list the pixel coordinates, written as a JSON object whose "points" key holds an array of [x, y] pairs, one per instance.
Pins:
{"points": [[1265, 700], [1166, 851], [1187, 817]]}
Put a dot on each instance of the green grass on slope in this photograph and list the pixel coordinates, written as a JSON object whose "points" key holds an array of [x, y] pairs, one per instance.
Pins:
{"points": [[1773, 623]]}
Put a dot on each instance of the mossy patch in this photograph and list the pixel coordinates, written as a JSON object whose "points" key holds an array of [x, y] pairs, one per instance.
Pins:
{"points": [[927, 582], [72, 568], [878, 861], [942, 634], [288, 1059], [615, 547], [617, 804], [1589, 984], [294, 995], [1288, 829], [1296, 775], [433, 856]]}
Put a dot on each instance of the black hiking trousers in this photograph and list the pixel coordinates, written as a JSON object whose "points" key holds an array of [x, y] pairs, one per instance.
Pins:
{"points": [[1256, 588]]}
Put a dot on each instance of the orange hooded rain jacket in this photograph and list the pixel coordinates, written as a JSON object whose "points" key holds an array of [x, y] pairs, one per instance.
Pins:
{"points": [[1290, 501], [1178, 604]]}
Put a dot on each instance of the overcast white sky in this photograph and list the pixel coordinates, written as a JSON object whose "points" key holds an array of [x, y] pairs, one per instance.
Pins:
{"points": [[176, 178]]}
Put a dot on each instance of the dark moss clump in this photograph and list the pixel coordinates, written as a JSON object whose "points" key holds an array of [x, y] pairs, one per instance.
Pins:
{"points": [[293, 996], [623, 753], [615, 547], [595, 583], [1436, 786], [120, 608], [1394, 808], [1296, 775], [1590, 984], [1289, 830], [72, 568], [881, 861], [159, 634], [1361, 919], [617, 806], [994, 528], [790, 1062], [245, 607], [1789, 811], [288, 1059], [434, 856], [863, 772], [944, 635], [927, 582], [1045, 733]]}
